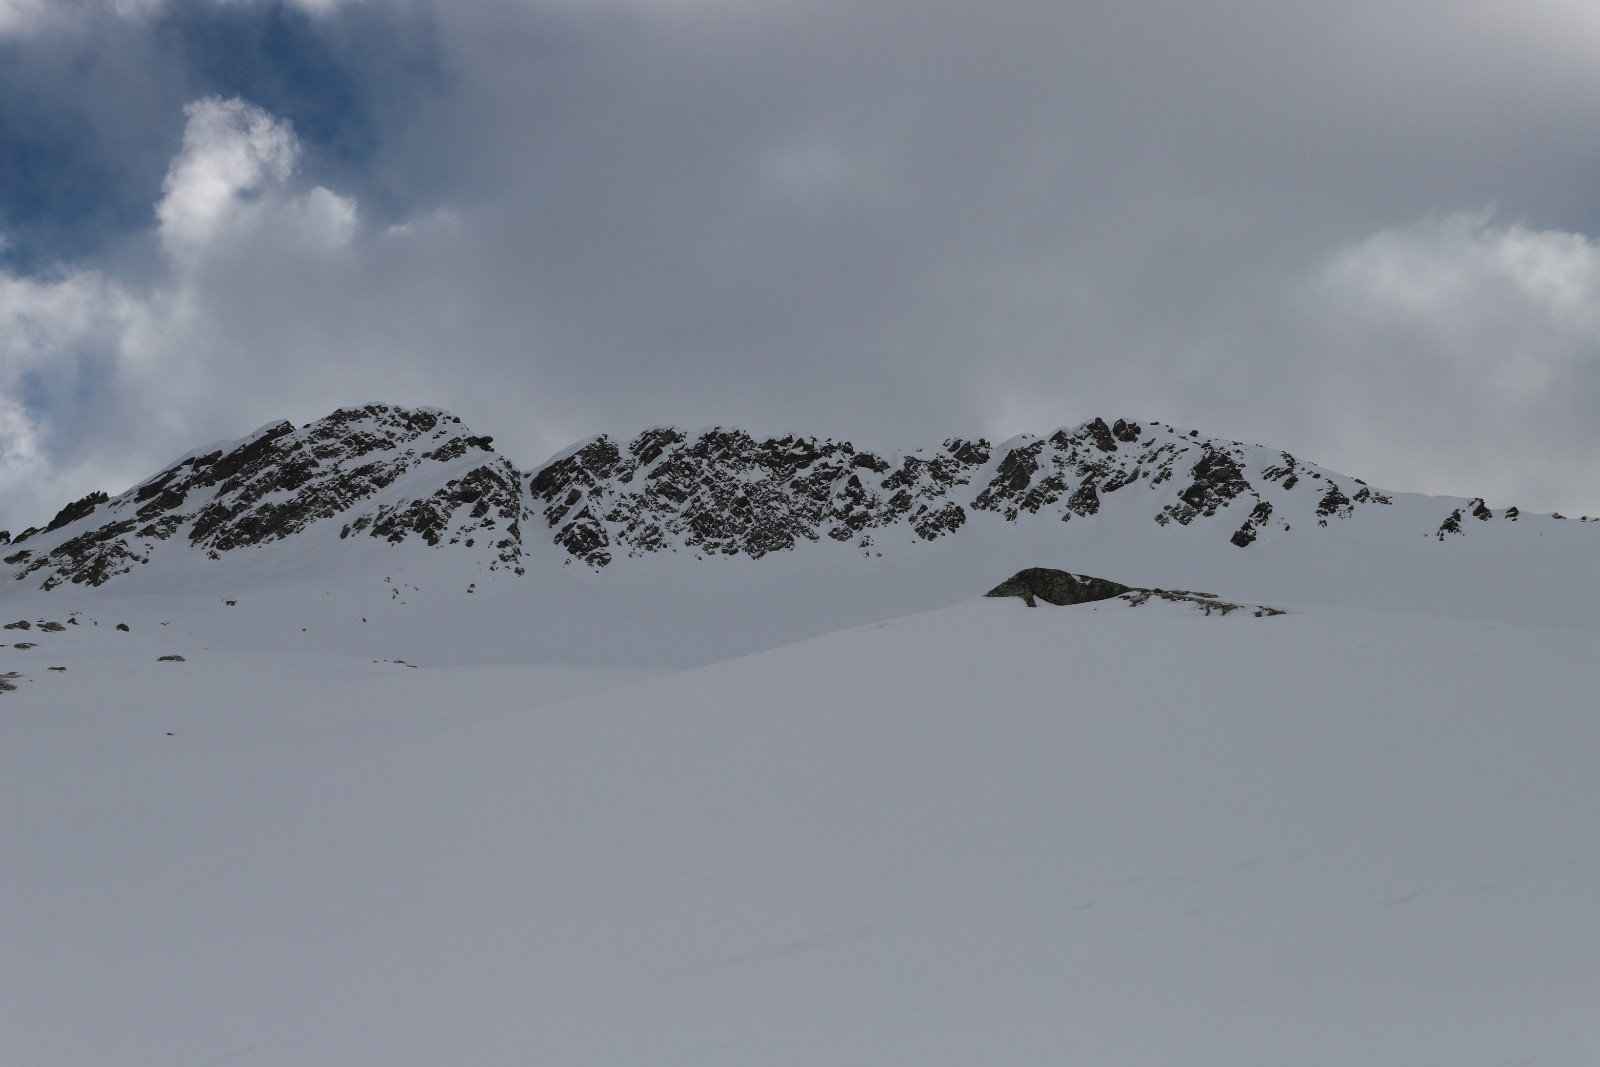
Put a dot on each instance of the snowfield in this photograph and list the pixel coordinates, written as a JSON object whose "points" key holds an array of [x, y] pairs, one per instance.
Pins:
{"points": [[356, 744], [1093, 835]]}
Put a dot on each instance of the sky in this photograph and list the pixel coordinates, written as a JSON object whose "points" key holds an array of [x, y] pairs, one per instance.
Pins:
{"points": [[1367, 232]]}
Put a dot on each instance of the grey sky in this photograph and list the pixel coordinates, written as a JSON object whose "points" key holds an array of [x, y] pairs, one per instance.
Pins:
{"points": [[1362, 232]]}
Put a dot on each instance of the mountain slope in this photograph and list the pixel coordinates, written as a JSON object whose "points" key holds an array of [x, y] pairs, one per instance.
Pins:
{"points": [[1098, 835], [332, 745], [386, 472], [723, 492], [384, 475]]}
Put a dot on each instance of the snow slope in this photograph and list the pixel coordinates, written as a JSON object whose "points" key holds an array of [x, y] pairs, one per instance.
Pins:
{"points": [[616, 762], [1095, 835]]}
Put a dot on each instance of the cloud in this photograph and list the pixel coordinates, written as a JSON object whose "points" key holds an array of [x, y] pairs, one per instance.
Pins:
{"points": [[90, 362], [231, 152], [227, 184], [1479, 341], [879, 219], [20, 16], [58, 339], [26, 18]]}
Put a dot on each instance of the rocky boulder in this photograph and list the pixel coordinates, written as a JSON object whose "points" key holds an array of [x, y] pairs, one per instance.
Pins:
{"points": [[1057, 587]]}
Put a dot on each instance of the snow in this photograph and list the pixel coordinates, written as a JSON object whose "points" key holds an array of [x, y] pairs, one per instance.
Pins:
{"points": [[1089, 835], [829, 806]]}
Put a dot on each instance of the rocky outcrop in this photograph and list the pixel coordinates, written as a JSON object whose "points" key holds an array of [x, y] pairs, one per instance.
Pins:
{"points": [[723, 492], [1057, 587], [392, 473], [1063, 588]]}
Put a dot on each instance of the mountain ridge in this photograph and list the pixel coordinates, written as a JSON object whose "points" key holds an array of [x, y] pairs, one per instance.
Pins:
{"points": [[395, 474]]}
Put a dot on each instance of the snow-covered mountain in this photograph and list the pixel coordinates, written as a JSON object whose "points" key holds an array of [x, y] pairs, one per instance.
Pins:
{"points": [[393, 475], [386, 472], [357, 743]]}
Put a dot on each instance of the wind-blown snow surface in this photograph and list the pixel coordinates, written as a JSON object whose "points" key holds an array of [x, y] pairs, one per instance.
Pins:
{"points": [[983, 834]]}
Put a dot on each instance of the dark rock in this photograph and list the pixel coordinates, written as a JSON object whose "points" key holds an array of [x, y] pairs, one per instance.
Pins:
{"points": [[20, 624], [122, 626], [1056, 587], [76, 510], [1333, 502], [159, 483], [1085, 500], [971, 453], [170, 659], [1018, 468], [1245, 535], [282, 480], [248, 455], [933, 524], [1209, 603], [1366, 495], [583, 536], [1218, 479], [718, 493], [90, 558], [649, 446], [1065, 588], [51, 626], [1102, 436]]}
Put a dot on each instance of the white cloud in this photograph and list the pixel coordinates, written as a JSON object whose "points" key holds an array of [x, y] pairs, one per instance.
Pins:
{"points": [[1483, 339], [23, 17], [230, 181], [1461, 271], [324, 220], [18, 16], [238, 239], [55, 336]]}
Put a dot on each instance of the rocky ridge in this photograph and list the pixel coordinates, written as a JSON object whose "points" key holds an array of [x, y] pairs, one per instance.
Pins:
{"points": [[1064, 589], [722, 492], [399, 475], [279, 482]]}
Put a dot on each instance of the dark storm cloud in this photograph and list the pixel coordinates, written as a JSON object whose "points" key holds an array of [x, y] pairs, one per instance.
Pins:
{"points": [[888, 220]]}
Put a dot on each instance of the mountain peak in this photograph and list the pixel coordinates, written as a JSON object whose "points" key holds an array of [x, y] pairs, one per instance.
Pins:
{"points": [[399, 474], [390, 471]]}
